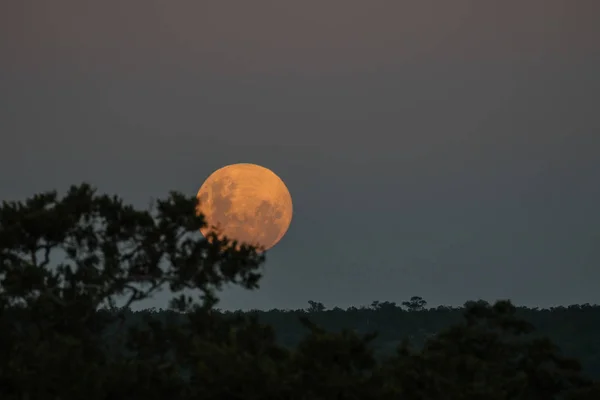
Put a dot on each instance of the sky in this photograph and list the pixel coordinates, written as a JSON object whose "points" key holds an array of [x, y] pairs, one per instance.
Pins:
{"points": [[449, 150]]}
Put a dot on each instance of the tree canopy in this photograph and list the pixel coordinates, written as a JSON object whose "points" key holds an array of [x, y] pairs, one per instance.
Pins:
{"points": [[71, 268]]}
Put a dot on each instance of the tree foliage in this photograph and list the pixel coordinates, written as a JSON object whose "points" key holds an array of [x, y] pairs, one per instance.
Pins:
{"points": [[71, 268]]}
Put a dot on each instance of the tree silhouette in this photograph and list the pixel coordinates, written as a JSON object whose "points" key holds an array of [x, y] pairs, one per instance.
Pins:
{"points": [[61, 260], [314, 306], [71, 268], [415, 303]]}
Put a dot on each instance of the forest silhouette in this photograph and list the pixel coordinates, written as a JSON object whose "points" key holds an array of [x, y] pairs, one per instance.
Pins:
{"points": [[71, 268]]}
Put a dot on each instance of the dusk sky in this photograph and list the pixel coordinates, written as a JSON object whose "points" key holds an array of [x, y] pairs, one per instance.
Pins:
{"points": [[445, 149]]}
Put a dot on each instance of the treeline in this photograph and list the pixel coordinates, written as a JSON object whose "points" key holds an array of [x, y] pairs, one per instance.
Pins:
{"points": [[574, 328], [66, 262]]}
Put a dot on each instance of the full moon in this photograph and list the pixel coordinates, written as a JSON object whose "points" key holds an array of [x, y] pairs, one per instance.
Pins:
{"points": [[247, 203]]}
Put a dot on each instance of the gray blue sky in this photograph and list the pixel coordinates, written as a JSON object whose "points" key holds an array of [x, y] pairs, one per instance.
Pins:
{"points": [[449, 150]]}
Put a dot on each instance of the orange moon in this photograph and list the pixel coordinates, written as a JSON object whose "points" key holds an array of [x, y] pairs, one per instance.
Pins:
{"points": [[247, 203]]}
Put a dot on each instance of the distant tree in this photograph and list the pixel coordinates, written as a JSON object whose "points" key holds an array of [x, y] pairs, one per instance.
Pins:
{"points": [[415, 303], [314, 306], [335, 365], [388, 306], [491, 355]]}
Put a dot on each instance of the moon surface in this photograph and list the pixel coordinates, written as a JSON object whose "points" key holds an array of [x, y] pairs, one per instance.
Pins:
{"points": [[247, 203]]}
